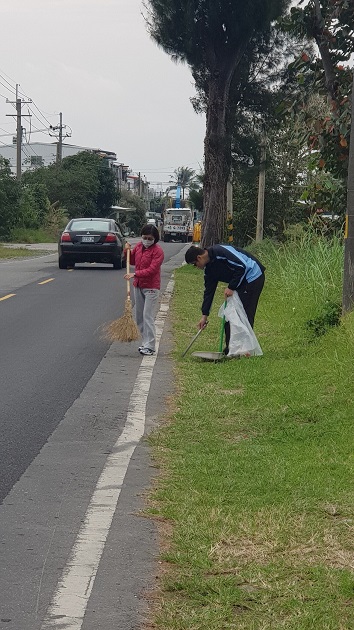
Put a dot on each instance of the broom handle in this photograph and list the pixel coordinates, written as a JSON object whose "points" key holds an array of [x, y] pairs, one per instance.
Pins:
{"points": [[128, 271]]}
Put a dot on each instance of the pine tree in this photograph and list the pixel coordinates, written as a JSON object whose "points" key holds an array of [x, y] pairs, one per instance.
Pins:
{"points": [[213, 37]]}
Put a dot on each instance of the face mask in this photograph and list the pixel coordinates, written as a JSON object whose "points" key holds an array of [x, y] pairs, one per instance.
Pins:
{"points": [[146, 242]]}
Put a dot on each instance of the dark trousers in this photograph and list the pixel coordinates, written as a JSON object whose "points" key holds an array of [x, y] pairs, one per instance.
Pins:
{"points": [[249, 296]]}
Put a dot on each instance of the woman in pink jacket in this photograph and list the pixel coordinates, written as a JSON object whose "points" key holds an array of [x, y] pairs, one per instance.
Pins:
{"points": [[147, 257]]}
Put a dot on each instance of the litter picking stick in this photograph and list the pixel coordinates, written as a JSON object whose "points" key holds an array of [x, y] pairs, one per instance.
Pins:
{"points": [[222, 329], [214, 356], [193, 340]]}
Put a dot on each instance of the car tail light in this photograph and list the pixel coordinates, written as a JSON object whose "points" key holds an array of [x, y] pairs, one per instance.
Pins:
{"points": [[110, 238], [65, 237]]}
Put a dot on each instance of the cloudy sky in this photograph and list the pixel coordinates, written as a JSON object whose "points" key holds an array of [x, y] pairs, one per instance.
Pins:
{"points": [[94, 61]]}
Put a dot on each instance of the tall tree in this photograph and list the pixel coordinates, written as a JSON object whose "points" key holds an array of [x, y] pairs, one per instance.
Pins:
{"points": [[212, 37]]}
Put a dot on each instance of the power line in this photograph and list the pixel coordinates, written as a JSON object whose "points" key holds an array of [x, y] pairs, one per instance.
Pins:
{"points": [[3, 95], [38, 109], [6, 75], [42, 115], [31, 148], [4, 143], [3, 135], [12, 91]]}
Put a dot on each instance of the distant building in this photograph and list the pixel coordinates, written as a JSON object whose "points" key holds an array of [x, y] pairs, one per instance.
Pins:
{"points": [[38, 154]]}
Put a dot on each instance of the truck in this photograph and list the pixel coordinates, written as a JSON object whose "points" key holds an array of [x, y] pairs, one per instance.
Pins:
{"points": [[178, 225], [178, 222]]}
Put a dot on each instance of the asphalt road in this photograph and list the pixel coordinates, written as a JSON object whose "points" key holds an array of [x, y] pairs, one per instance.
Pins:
{"points": [[64, 395]]}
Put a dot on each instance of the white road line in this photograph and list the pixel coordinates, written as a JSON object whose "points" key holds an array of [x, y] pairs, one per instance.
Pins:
{"points": [[69, 603]]}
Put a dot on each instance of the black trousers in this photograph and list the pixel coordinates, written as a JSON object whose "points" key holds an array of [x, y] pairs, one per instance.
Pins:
{"points": [[249, 296]]}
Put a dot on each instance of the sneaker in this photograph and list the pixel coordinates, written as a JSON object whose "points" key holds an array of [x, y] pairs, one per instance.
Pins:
{"points": [[147, 352], [140, 348]]}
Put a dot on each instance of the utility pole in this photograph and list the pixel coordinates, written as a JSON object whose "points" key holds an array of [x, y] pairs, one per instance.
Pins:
{"points": [[348, 280], [261, 190], [60, 136], [60, 141], [18, 103]]}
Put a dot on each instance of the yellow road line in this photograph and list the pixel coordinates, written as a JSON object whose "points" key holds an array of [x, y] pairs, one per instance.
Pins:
{"points": [[6, 297], [45, 281]]}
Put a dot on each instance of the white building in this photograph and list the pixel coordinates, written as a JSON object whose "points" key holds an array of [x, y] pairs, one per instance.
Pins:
{"points": [[38, 154]]}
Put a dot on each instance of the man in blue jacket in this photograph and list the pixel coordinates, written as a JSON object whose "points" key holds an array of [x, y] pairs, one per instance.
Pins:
{"points": [[241, 271]]}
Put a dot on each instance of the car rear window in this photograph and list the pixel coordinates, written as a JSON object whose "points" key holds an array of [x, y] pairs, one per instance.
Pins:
{"points": [[100, 226]]}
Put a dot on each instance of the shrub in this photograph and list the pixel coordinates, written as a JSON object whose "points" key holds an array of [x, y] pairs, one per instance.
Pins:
{"points": [[328, 317]]}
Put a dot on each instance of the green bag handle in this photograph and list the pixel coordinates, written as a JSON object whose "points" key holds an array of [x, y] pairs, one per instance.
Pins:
{"points": [[222, 329]]}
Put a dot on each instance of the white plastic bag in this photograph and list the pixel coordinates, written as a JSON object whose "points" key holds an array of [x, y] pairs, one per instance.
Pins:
{"points": [[243, 341]]}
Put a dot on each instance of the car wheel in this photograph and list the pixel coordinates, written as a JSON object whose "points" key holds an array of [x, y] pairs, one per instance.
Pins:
{"points": [[63, 263], [166, 238], [117, 263]]}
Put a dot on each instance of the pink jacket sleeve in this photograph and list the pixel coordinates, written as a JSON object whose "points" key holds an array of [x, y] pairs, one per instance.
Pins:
{"points": [[154, 266]]}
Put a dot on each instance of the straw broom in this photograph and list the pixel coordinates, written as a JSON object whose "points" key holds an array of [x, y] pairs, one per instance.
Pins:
{"points": [[124, 328]]}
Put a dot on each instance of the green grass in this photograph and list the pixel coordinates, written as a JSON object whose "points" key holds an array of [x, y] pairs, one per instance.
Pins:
{"points": [[26, 235], [256, 493], [18, 252]]}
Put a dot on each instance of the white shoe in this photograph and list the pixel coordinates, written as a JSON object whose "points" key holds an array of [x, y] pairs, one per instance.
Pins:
{"points": [[147, 352]]}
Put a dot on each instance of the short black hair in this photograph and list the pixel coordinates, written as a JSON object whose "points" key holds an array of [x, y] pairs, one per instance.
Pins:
{"points": [[192, 253], [150, 230]]}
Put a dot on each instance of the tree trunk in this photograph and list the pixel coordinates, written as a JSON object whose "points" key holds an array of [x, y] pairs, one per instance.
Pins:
{"points": [[324, 51], [217, 157], [348, 281]]}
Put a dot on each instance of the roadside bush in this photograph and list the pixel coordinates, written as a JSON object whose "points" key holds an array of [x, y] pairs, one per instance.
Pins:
{"points": [[56, 220], [26, 235], [9, 199], [328, 317]]}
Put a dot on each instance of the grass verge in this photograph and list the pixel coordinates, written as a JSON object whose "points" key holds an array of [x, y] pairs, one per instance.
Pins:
{"points": [[19, 252], [256, 495]]}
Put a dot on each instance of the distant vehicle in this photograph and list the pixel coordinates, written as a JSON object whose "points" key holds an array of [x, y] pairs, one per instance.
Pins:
{"points": [[178, 225], [152, 221], [178, 222], [91, 240]]}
